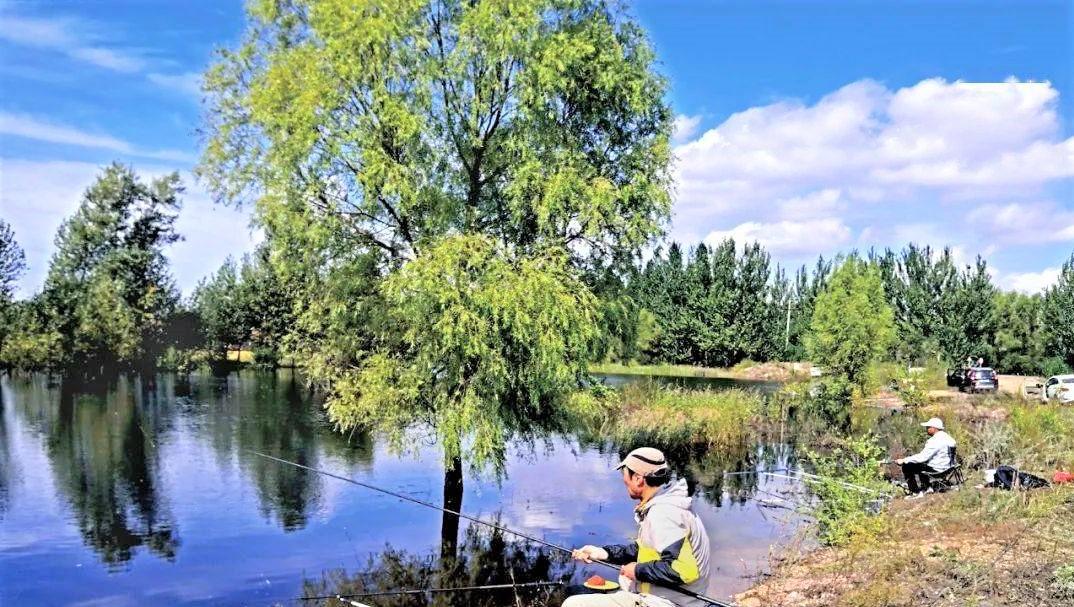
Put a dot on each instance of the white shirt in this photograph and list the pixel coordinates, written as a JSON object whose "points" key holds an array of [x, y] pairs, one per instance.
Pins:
{"points": [[935, 455]]}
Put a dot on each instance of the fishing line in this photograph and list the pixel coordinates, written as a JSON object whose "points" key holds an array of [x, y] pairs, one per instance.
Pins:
{"points": [[414, 500], [430, 590], [774, 472]]}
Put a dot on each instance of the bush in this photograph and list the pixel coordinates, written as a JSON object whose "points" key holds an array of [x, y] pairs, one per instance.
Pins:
{"points": [[830, 398], [1054, 366], [850, 491]]}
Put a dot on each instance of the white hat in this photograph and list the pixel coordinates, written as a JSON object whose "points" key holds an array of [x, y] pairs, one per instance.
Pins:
{"points": [[644, 461], [934, 423]]}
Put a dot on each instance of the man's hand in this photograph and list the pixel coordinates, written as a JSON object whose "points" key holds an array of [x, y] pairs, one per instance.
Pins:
{"points": [[627, 571], [587, 554], [900, 461]]}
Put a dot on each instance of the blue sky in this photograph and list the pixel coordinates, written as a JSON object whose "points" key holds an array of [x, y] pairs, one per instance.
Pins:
{"points": [[812, 127]]}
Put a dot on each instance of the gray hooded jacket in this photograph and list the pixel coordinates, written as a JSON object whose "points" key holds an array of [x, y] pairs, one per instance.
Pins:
{"points": [[672, 548]]}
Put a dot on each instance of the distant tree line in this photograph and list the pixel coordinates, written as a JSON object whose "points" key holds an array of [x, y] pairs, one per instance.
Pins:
{"points": [[722, 305]]}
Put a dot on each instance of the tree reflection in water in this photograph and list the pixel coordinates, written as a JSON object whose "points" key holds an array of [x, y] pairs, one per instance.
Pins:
{"points": [[106, 467], [485, 557], [273, 413]]}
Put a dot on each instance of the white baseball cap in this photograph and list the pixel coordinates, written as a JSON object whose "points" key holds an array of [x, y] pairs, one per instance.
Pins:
{"points": [[934, 423]]}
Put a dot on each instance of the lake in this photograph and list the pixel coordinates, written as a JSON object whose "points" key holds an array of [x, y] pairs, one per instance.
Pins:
{"points": [[149, 493]]}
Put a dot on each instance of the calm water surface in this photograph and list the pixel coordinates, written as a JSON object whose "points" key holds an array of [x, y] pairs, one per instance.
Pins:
{"points": [[149, 494]]}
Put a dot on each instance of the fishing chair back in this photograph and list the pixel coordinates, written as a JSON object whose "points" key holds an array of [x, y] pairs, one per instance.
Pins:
{"points": [[951, 478]]}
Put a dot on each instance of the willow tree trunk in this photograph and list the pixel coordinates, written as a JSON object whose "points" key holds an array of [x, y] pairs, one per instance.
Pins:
{"points": [[449, 528]]}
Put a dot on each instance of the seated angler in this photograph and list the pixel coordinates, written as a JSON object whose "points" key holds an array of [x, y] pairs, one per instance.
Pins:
{"points": [[672, 549], [934, 457]]}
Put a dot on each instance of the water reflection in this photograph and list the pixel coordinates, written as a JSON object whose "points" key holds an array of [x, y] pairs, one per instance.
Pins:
{"points": [[486, 558], [102, 450], [7, 463], [164, 468]]}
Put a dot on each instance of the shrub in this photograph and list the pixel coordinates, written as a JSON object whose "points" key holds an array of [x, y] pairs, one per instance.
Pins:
{"points": [[849, 490]]}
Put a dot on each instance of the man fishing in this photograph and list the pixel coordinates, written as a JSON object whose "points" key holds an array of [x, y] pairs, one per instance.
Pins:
{"points": [[672, 549], [934, 457]]}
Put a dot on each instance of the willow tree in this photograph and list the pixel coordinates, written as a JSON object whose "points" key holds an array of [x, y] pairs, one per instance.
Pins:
{"points": [[434, 178]]}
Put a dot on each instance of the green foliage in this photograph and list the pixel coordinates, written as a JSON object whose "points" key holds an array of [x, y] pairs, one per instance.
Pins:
{"points": [[108, 293], [31, 343], [646, 413], [385, 145], [718, 308], [848, 488], [940, 311], [477, 345], [1058, 313], [1054, 366], [219, 308], [852, 324], [1063, 582], [829, 398], [12, 265], [247, 304], [1020, 333]]}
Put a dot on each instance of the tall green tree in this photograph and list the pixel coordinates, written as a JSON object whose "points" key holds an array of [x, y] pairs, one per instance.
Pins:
{"points": [[108, 290], [219, 307], [1018, 345], [852, 323], [386, 143], [1058, 313], [12, 265]]}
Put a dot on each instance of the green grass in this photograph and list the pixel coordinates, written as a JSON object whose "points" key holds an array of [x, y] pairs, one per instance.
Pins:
{"points": [[670, 417], [664, 370]]}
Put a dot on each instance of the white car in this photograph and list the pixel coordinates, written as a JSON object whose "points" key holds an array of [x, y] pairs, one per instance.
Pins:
{"points": [[1059, 387]]}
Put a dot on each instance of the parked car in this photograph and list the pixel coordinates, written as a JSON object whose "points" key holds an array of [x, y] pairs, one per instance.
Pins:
{"points": [[979, 379], [1059, 387]]}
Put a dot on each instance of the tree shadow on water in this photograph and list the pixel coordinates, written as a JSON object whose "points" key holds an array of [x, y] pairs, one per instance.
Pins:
{"points": [[484, 557]]}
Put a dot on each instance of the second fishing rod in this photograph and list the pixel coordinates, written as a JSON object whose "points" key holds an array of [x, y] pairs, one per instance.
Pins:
{"points": [[498, 527]]}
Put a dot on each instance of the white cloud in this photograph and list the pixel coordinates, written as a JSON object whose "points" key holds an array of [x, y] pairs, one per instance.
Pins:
{"points": [[29, 127], [188, 83], [814, 204], [1030, 282], [19, 125], [788, 237], [36, 196], [71, 37], [685, 128], [937, 138], [891, 165], [1024, 223]]}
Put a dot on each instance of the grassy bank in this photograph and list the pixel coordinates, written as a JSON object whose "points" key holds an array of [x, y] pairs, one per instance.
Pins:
{"points": [[647, 413], [971, 547], [662, 370]]}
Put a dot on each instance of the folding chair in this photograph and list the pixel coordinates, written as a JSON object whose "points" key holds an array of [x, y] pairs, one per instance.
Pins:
{"points": [[951, 478]]}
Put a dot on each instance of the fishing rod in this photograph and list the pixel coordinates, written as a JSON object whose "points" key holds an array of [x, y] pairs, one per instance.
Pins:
{"points": [[774, 472], [420, 502], [430, 590]]}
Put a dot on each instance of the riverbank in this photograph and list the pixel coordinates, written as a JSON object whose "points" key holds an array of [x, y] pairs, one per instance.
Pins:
{"points": [[970, 547], [747, 370]]}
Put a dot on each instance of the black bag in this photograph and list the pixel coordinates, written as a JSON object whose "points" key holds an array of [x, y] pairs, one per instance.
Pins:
{"points": [[1009, 478]]}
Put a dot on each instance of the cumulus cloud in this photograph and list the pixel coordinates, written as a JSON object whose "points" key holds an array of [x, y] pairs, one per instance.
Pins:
{"points": [[29, 127], [1024, 223], [685, 128], [1030, 282], [787, 237], [866, 158]]}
